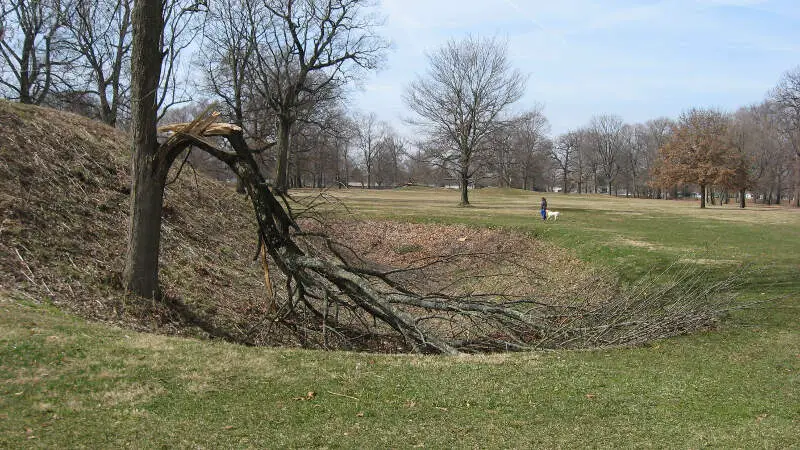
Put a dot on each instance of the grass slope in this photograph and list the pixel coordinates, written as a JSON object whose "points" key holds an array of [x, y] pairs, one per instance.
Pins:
{"points": [[64, 190], [65, 382]]}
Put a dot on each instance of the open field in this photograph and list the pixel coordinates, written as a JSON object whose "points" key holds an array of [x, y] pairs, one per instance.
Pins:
{"points": [[630, 235], [69, 383]]}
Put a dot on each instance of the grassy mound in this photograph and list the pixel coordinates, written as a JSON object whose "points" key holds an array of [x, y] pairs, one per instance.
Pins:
{"points": [[64, 199]]}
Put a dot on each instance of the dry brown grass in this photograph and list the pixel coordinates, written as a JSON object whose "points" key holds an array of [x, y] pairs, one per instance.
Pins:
{"points": [[64, 185], [460, 259]]}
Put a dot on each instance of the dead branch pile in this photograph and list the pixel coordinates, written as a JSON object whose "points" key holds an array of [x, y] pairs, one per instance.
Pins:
{"points": [[336, 298]]}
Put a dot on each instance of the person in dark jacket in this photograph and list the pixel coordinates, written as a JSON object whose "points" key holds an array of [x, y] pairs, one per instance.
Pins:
{"points": [[544, 208]]}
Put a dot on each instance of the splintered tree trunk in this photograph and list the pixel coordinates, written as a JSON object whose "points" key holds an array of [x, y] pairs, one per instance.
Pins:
{"points": [[140, 275], [282, 166]]}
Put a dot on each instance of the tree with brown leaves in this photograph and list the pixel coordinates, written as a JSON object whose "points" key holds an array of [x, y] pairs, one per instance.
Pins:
{"points": [[699, 152]]}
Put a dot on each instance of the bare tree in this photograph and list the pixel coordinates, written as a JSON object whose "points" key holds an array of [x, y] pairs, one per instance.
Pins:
{"points": [[581, 161], [305, 50], [658, 133], [634, 149], [771, 153], [529, 144], [786, 98], [391, 150], [606, 139], [100, 40], [461, 101], [369, 133], [30, 48], [232, 44], [563, 152]]}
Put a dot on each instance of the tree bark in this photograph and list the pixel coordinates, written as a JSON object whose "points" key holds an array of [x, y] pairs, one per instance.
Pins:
{"points": [[464, 185], [702, 196], [144, 236], [742, 194], [140, 275], [282, 165], [796, 193]]}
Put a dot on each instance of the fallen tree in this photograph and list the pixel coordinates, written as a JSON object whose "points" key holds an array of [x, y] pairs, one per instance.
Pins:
{"points": [[335, 299]]}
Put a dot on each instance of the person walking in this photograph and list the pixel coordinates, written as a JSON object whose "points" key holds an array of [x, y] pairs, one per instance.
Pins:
{"points": [[544, 208]]}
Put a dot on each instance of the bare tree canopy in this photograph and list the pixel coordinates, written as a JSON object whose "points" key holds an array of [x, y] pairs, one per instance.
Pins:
{"points": [[758, 133], [606, 136], [461, 101], [304, 52], [100, 42], [229, 30], [30, 48], [563, 153], [369, 133], [786, 98]]}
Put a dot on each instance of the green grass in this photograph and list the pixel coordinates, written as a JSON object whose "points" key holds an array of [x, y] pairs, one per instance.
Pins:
{"points": [[630, 235], [68, 383]]}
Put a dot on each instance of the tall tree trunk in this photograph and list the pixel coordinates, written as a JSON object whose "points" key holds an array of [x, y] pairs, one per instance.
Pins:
{"points": [[144, 236], [796, 193], [24, 71], [464, 185], [742, 194], [702, 196], [140, 275], [282, 166]]}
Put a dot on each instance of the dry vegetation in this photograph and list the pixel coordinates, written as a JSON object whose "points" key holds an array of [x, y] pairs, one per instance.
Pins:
{"points": [[64, 189], [459, 259], [64, 185], [64, 200]]}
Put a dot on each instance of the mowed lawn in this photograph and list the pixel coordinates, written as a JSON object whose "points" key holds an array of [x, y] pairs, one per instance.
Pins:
{"points": [[68, 383]]}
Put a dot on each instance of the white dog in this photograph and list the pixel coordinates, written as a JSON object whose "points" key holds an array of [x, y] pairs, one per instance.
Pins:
{"points": [[553, 215]]}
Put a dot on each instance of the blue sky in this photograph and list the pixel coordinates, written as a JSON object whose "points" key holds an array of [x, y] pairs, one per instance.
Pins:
{"points": [[637, 59]]}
